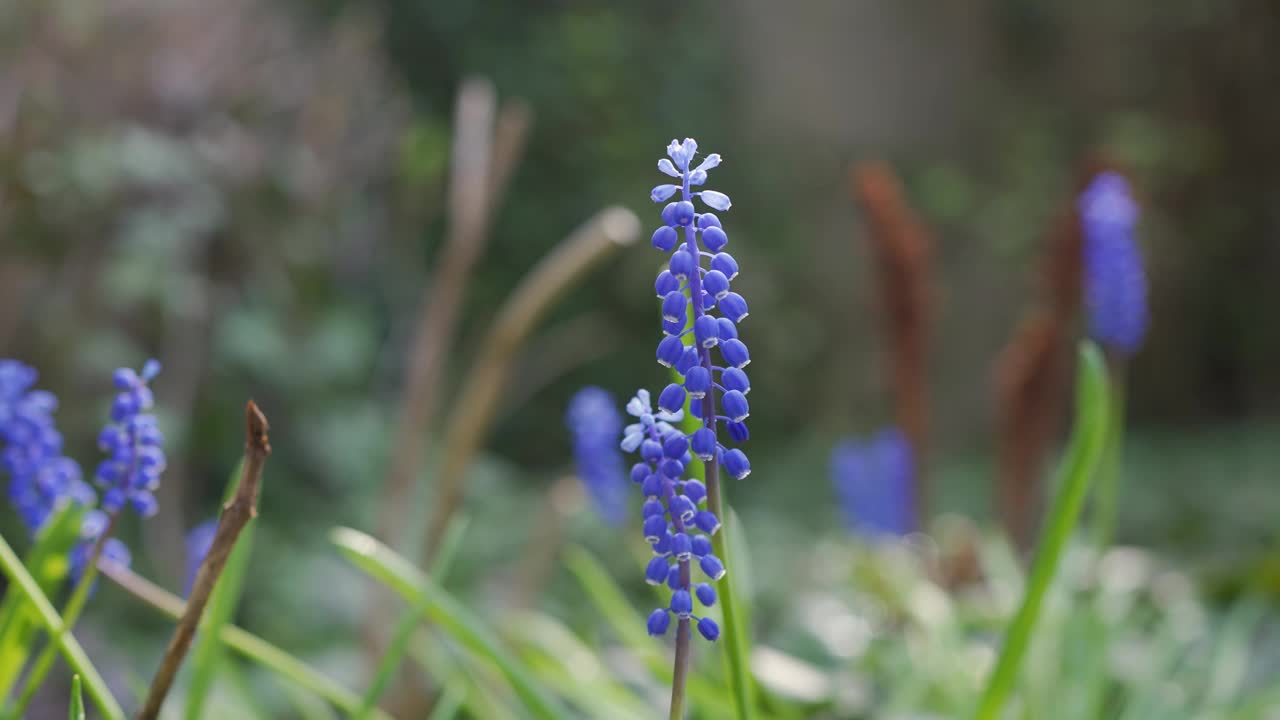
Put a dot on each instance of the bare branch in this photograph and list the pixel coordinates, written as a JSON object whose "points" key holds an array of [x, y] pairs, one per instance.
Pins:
{"points": [[477, 401], [236, 514]]}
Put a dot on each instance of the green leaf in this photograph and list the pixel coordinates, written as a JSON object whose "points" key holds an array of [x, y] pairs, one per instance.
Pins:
{"points": [[1072, 481], [737, 641], [77, 700], [563, 662], [444, 611], [48, 563], [410, 619], [287, 666], [628, 625], [75, 656], [208, 655], [450, 703]]}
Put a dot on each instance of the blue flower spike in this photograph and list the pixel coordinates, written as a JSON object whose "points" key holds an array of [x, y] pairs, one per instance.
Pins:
{"points": [[41, 479], [134, 445], [875, 484], [1115, 293], [594, 423], [697, 298]]}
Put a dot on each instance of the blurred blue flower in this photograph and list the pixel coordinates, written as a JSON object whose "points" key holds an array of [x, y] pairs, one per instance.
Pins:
{"points": [[40, 478], [199, 540], [113, 549], [1115, 292], [875, 484], [133, 443], [594, 422]]}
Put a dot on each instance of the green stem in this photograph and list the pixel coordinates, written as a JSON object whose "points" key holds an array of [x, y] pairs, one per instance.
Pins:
{"points": [[734, 636], [736, 641], [56, 627], [1072, 481], [1107, 495], [70, 614]]}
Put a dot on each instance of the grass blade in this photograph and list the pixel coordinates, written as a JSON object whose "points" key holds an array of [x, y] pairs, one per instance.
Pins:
{"points": [[1072, 481], [627, 624], [48, 562], [444, 611], [247, 644], [75, 656], [409, 620], [77, 700]]}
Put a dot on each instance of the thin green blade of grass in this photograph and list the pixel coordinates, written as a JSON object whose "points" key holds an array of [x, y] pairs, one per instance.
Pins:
{"points": [[410, 618], [1107, 494], [574, 669], [48, 562], [598, 587], [1072, 481], [444, 611], [76, 712], [248, 645], [209, 654], [450, 702], [74, 655], [457, 670]]}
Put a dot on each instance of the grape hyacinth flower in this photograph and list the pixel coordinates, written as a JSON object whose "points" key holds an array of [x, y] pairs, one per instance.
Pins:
{"points": [[594, 422], [708, 356], [875, 484], [1115, 284], [674, 526], [41, 479], [131, 473]]}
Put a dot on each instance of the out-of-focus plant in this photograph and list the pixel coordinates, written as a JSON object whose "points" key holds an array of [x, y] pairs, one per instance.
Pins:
{"points": [[1032, 373], [874, 483], [1115, 297], [43, 484], [902, 253]]}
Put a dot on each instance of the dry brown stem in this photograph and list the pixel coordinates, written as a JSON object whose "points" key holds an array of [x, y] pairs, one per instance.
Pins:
{"points": [[902, 249], [236, 514]]}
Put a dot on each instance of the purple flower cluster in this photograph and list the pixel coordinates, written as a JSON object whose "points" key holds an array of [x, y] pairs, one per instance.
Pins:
{"points": [[674, 526], [594, 422], [696, 281], [875, 484], [133, 443], [1115, 282], [40, 477]]}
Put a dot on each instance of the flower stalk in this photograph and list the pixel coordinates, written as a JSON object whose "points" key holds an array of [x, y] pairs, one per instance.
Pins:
{"points": [[673, 523]]}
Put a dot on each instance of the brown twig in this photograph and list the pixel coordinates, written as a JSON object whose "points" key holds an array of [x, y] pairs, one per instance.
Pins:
{"points": [[1033, 375], [538, 561], [485, 154], [1031, 382], [477, 401], [560, 349], [903, 252], [236, 514], [484, 157]]}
